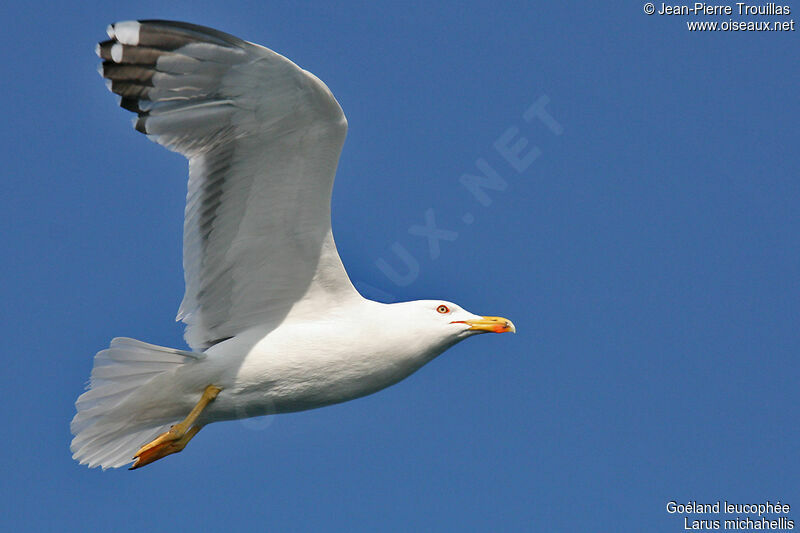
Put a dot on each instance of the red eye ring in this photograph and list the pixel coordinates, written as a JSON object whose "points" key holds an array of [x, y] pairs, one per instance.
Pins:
{"points": [[443, 309]]}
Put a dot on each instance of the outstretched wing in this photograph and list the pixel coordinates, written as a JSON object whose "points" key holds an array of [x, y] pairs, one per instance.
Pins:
{"points": [[263, 138]]}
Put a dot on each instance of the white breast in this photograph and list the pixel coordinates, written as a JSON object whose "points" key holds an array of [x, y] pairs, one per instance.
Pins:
{"points": [[308, 364]]}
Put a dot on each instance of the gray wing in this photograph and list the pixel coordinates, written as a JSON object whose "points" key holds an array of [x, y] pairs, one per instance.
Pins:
{"points": [[263, 139]]}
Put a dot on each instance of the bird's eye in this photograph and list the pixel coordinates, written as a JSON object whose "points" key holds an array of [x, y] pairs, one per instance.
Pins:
{"points": [[443, 309]]}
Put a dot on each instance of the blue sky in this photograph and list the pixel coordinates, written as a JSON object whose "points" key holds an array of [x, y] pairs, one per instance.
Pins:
{"points": [[648, 256]]}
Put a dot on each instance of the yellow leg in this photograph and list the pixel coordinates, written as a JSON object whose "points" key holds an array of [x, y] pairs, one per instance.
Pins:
{"points": [[178, 435]]}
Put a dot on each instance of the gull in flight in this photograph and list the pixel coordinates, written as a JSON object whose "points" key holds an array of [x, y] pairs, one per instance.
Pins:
{"points": [[273, 322]]}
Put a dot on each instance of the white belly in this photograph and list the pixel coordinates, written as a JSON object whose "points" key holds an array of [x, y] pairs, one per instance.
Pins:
{"points": [[295, 368]]}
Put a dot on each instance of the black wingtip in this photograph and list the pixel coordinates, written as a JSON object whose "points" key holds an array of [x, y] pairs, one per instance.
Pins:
{"points": [[140, 124], [103, 49], [131, 104]]}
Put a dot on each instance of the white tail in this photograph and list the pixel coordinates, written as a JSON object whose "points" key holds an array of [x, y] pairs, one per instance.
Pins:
{"points": [[106, 430]]}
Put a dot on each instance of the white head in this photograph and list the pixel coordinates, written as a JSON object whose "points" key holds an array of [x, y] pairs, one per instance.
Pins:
{"points": [[439, 324]]}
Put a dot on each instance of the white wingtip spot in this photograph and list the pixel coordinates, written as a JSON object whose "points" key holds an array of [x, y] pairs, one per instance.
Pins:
{"points": [[127, 32], [108, 84], [97, 49], [110, 31], [116, 53]]}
